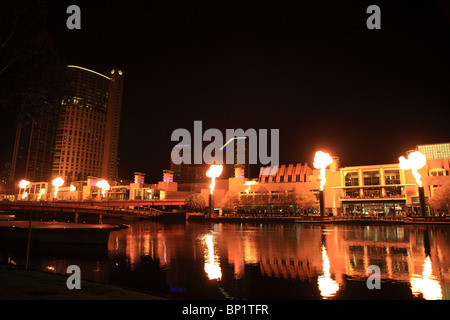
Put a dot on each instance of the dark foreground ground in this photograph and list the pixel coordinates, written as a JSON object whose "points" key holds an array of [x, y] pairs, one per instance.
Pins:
{"points": [[18, 284]]}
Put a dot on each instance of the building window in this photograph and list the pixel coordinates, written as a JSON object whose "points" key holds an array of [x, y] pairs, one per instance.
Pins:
{"points": [[437, 172], [372, 193], [297, 178], [371, 178], [393, 191], [352, 193], [351, 179], [392, 176]]}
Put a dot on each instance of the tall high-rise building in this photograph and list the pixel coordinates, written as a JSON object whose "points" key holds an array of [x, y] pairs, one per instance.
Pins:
{"points": [[196, 173], [34, 144], [435, 150], [88, 125]]}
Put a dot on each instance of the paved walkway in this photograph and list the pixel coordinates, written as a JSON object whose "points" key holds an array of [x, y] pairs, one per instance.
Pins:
{"points": [[18, 284]]}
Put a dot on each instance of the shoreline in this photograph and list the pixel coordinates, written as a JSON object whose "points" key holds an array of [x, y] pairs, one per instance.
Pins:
{"points": [[325, 220], [20, 284]]}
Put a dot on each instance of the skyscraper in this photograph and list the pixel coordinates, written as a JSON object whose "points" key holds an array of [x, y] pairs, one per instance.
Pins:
{"points": [[88, 125], [34, 145], [196, 173], [435, 150]]}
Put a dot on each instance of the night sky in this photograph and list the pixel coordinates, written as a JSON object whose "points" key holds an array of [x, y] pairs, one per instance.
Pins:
{"points": [[309, 68]]}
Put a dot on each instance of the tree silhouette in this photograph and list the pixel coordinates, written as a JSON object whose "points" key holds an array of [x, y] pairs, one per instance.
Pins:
{"points": [[196, 202], [441, 197]]}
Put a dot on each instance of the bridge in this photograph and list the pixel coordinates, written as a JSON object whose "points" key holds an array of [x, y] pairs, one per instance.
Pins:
{"points": [[139, 209], [127, 203]]}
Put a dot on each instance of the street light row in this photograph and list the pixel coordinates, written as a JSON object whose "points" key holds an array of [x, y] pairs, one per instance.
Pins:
{"points": [[59, 182]]}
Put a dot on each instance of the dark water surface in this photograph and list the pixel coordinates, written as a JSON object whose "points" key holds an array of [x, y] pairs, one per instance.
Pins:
{"points": [[249, 261]]}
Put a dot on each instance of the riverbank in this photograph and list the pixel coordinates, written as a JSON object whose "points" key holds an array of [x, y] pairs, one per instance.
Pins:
{"points": [[18, 284], [326, 220]]}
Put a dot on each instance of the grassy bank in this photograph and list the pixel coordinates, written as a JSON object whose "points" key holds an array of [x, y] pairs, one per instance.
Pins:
{"points": [[18, 284]]}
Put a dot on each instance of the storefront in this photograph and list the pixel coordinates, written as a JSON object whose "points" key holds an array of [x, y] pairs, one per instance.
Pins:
{"points": [[390, 208]]}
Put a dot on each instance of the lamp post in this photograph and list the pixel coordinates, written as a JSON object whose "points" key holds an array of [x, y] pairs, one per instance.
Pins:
{"points": [[214, 171], [415, 161], [57, 182], [321, 203], [23, 184], [104, 185], [41, 193], [422, 201], [321, 161]]}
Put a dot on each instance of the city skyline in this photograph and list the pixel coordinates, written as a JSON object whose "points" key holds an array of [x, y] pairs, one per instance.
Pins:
{"points": [[326, 81], [230, 152]]}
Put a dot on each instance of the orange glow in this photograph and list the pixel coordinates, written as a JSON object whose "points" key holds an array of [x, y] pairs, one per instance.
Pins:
{"points": [[327, 286], [212, 267], [41, 193], [57, 182], [104, 185], [415, 161], [23, 184], [321, 161], [214, 171], [427, 283]]}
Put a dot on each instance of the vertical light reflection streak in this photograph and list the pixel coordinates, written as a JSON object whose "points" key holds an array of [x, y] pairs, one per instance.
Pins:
{"points": [[427, 284], [212, 267], [327, 286]]}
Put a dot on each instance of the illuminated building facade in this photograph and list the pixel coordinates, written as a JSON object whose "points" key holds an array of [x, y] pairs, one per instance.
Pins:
{"points": [[376, 189], [437, 169], [436, 173], [286, 173], [88, 126], [435, 151]]}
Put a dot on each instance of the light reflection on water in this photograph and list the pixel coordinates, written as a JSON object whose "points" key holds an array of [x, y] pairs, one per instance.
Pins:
{"points": [[327, 286], [212, 266], [219, 261], [426, 284]]}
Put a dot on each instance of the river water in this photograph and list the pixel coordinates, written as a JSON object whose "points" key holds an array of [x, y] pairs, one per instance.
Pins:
{"points": [[260, 261]]}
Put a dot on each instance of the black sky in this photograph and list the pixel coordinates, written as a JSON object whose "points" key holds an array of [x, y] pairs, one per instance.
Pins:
{"points": [[309, 68]]}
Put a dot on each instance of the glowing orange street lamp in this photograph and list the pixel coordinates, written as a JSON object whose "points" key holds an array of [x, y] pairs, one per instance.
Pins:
{"points": [[321, 161], [415, 161], [104, 185], [214, 171], [23, 184], [41, 193], [57, 182]]}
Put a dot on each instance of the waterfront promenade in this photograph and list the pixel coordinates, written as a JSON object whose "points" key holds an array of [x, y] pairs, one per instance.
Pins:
{"points": [[18, 284], [332, 220]]}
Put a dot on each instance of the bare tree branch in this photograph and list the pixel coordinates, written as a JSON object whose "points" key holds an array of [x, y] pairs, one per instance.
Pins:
{"points": [[4, 69]]}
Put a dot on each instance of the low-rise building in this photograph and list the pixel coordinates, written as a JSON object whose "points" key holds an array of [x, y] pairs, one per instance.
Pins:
{"points": [[379, 189]]}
